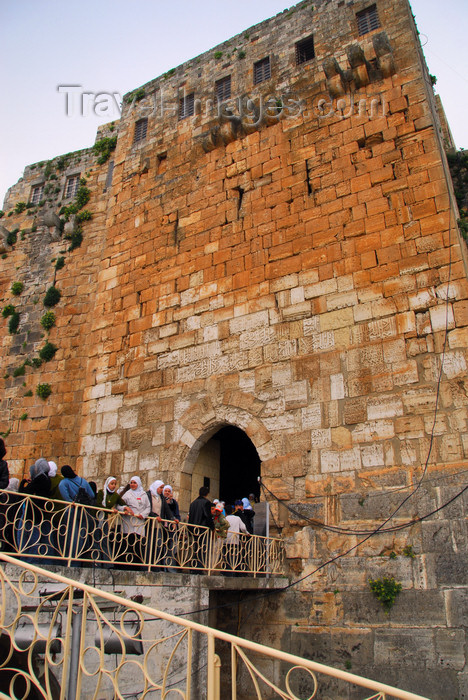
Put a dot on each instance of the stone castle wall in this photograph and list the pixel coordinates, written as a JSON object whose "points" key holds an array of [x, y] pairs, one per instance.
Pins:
{"points": [[291, 266]]}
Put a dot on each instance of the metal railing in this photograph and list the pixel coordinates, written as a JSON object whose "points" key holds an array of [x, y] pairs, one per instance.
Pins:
{"points": [[60, 639], [40, 530]]}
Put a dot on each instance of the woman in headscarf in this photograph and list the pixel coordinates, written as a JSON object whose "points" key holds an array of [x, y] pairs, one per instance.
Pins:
{"points": [[133, 525], [171, 502], [55, 480], [158, 533], [173, 531], [109, 498], [34, 529], [110, 501]]}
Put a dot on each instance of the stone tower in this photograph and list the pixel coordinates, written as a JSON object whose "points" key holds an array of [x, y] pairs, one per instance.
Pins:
{"points": [[273, 251]]}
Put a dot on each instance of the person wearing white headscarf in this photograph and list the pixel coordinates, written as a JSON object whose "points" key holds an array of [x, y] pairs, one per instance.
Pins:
{"points": [[109, 497], [55, 479], [161, 554], [159, 507], [171, 502], [133, 550], [137, 501]]}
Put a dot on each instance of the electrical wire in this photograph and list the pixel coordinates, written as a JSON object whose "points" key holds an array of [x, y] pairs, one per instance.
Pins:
{"points": [[348, 531]]}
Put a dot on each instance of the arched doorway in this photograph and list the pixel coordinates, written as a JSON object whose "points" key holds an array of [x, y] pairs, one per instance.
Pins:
{"points": [[229, 464]]}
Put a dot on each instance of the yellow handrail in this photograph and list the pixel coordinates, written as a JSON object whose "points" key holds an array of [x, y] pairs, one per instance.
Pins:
{"points": [[173, 642]]}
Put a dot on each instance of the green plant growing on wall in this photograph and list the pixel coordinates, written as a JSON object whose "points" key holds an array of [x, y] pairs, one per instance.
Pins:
{"points": [[8, 310], [17, 288], [408, 551], [36, 362], [48, 320], [20, 207], [43, 391], [60, 262], [76, 239], [218, 55], [28, 393], [136, 95], [12, 237], [20, 371], [23, 416], [81, 199], [241, 54], [2, 213], [48, 169], [104, 147], [13, 323], [386, 590], [52, 296], [84, 215], [47, 352]]}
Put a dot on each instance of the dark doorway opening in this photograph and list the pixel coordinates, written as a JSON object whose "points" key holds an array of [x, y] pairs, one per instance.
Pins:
{"points": [[239, 465]]}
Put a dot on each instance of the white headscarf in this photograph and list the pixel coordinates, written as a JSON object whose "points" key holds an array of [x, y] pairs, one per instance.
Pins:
{"points": [[140, 490], [246, 504], [154, 487], [106, 489], [52, 470]]}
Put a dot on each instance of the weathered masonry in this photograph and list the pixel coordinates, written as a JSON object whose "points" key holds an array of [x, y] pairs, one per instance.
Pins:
{"points": [[272, 284]]}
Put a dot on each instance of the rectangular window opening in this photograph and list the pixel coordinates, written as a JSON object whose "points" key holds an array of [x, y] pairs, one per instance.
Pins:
{"points": [[187, 106], [305, 50], [262, 70], [36, 193], [110, 172], [71, 186], [223, 89], [141, 127], [367, 20]]}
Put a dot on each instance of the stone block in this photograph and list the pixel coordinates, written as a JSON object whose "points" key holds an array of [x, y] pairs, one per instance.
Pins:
{"points": [[442, 317], [407, 648]]}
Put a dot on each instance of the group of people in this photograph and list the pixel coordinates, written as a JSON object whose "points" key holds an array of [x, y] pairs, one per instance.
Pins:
{"points": [[129, 534]]}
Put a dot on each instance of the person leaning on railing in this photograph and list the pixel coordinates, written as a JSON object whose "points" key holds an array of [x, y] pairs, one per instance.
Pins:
{"points": [[159, 534], [73, 534], [109, 500], [133, 526], [34, 533]]}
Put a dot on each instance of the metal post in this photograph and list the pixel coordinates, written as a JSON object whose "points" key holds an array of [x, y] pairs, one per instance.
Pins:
{"points": [[267, 541], [77, 622]]}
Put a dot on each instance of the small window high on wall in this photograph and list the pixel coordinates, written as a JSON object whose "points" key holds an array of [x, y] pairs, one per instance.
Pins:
{"points": [[141, 127], [223, 89], [305, 50], [36, 193], [187, 106], [367, 20], [71, 187], [262, 70]]}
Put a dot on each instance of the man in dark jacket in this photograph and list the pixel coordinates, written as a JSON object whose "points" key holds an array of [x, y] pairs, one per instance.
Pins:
{"points": [[200, 514], [200, 510]]}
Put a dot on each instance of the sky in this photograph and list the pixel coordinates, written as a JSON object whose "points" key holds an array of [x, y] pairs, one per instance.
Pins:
{"points": [[113, 46]]}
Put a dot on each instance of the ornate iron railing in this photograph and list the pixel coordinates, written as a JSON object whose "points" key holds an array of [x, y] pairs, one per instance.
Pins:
{"points": [[41, 530], [60, 639]]}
